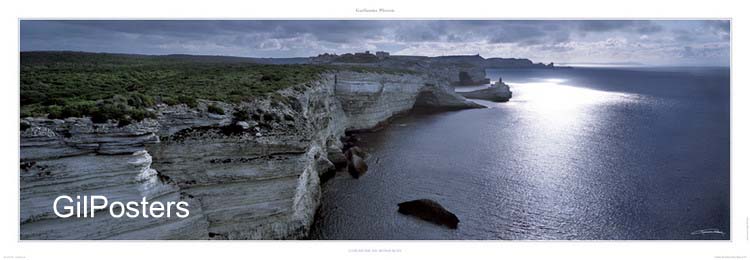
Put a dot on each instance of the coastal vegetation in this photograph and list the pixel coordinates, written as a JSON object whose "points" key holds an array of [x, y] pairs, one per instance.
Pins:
{"points": [[116, 86], [124, 86], [215, 109]]}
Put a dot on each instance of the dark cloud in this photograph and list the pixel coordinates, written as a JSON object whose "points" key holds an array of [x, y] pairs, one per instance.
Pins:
{"points": [[604, 25], [702, 51], [348, 31], [556, 48], [285, 38], [642, 27], [525, 34], [649, 28], [682, 35]]}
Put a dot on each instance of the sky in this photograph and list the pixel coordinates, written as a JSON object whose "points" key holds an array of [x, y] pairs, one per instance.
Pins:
{"points": [[647, 42]]}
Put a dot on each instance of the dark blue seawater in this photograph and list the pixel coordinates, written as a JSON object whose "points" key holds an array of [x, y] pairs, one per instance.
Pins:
{"points": [[584, 154]]}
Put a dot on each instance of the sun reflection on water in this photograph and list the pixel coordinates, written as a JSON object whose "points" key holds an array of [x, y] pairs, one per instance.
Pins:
{"points": [[558, 104], [553, 95], [553, 123]]}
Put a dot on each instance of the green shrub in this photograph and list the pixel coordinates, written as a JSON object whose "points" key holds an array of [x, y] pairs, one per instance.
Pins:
{"points": [[240, 115], [215, 109], [55, 101], [32, 97], [124, 121], [115, 108], [78, 109], [54, 112], [140, 114], [35, 110], [169, 101], [271, 76], [99, 117], [140, 100], [187, 100]]}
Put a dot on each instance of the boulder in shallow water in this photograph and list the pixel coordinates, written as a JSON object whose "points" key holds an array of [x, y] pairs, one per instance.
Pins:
{"points": [[336, 156], [356, 165], [326, 169], [429, 210], [349, 141], [355, 150]]}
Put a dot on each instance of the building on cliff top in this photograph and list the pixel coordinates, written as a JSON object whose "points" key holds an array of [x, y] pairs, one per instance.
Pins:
{"points": [[382, 54]]}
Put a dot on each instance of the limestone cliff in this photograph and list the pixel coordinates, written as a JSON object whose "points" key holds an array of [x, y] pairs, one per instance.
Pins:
{"points": [[498, 92], [463, 70], [447, 69], [245, 177]]}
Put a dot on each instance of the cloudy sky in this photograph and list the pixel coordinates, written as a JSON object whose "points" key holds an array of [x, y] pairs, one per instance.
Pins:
{"points": [[659, 42]]}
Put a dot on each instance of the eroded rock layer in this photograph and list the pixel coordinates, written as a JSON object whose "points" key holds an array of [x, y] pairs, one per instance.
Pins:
{"points": [[248, 177]]}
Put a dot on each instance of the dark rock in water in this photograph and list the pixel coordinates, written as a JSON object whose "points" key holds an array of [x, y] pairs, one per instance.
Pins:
{"points": [[336, 156], [326, 169], [429, 210], [355, 159], [350, 140], [354, 150], [356, 166]]}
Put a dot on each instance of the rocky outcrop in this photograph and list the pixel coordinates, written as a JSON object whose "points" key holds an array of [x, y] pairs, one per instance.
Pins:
{"points": [[370, 98], [498, 92], [462, 70], [429, 210], [336, 157], [255, 178]]}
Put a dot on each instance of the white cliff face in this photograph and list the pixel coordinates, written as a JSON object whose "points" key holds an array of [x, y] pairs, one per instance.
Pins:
{"points": [[369, 99], [73, 158], [261, 181], [445, 68]]}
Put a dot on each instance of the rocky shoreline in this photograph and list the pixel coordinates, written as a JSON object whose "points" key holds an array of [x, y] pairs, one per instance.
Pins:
{"points": [[253, 172]]}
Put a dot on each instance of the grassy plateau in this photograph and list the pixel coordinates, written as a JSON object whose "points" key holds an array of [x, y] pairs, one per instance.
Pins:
{"points": [[122, 86]]}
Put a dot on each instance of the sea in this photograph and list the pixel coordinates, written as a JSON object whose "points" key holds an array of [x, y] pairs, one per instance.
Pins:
{"points": [[585, 153]]}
